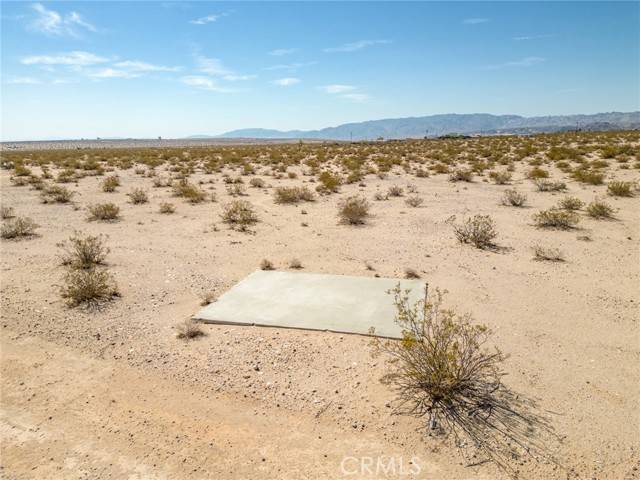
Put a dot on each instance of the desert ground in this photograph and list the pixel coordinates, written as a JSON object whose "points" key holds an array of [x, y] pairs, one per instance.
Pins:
{"points": [[110, 391]]}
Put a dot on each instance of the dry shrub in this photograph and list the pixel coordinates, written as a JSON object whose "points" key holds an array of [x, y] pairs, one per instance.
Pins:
{"points": [[599, 209], [479, 231], [547, 254], [461, 175], [88, 287], [257, 182], [19, 227], [379, 196], [512, 197], [293, 195], [189, 329], [236, 190], [571, 203], [442, 370], [266, 265], [500, 178], [104, 212], [549, 186], [395, 191], [329, 182], [411, 273], [353, 210], [84, 251], [618, 188], [588, 176], [6, 212], [537, 173], [239, 214], [183, 188], [110, 183], [138, 196], [556, 218], [414, 201], [295, 264], [167, 208], [56, 194]]}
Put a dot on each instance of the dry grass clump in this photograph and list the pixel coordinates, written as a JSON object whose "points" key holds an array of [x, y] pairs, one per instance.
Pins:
{"points": [[537, 173], [549, 186], [110, 183], [257, 182], [293, 195], [104, 212], [88, 287], [379, 196], [588, 176], [556, 218], [329, 183], [56, 194], [571, 203], [513, 198], [395, 191], [414, 201], [266, 265], [443, 371], [239, 214], [19, 227], [295, 264], [84, 251], [547, 254], [599, 209], [479, 231], [461, 175], [189, 329], [183, 188], [619, 188], [353, 210], [138, 196], [500, 177], [167, 208], [411, 273], [6, 212]]}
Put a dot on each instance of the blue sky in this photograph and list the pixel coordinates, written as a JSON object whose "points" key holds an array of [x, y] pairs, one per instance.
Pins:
{"points": [[143, 69]]}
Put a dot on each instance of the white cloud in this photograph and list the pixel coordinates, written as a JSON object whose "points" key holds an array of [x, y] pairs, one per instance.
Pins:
{"points": [[286, 82], [359, 45], [523, 62], [290, 66], [138, 66], [203, 83], [113, 73], [24, 81], [205, 20], [279, 52], [237, 78], [534, 37], [76, 58], [51, 22], [356, 97], [212, 66], [338, 88], [474, 21]]}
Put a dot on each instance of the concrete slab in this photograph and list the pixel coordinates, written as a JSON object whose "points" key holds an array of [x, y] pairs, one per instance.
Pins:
{"points": [[312, 301]]}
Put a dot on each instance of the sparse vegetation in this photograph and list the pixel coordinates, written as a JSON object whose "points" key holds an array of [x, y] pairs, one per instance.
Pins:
{"points": [[56, 194], [110, 183], [600, 210], [266, 265], [620, 189], [514, 198], [411, 273], [547, 254], [478, 231], [461, 175], [138, 196], [293, 195], [18, 227], [84, 251], [414, 201], [239, 214], [556, 218], [295, 264], [167, 208], [571, 203], [6, 212], [104, 212], [189, 329], [88, 287], [353, 210], [190, 192], [549, 186]]}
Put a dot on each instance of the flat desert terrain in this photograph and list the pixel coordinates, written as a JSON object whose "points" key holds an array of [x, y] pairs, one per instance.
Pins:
{"points": [[110, 391]]}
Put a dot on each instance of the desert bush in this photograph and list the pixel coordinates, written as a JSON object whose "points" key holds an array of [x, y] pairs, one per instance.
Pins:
{"points": [[19, 227], [257, 182], [266, 265], [588, 176], [84, 251], [513, 198], [189, 329], [556, 218], [478, 231], [88, 287], [395, 191], [547, 254], [292, 194], [104, 212], [411, 273], [461, 175], [571, 203], [599, 209], [236, 190], [56, 194], [110, 183], [6, 212], [500, 178], [379, 196], [159, 182], [295, 264], [549, 186], [414, 201], [167, 208], [183, 188], [138, 196], [329, 182], [537, 173], [353, 210], [619, 188], [239, 214]]}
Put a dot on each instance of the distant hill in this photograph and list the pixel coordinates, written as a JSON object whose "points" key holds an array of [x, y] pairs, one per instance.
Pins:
{"points": [[435, 125]]}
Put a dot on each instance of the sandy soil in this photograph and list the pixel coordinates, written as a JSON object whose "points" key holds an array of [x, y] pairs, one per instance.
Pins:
{"points": [[114, 393]]}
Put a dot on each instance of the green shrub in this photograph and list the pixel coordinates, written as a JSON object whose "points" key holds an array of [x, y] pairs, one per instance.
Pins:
{"points": [[110, 183], [556, 218], [620, 189], [329, 182], [588, 176], [183, 188], [88, 287], [599, 210]]}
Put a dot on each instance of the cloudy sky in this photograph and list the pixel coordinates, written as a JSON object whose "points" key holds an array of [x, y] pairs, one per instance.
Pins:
{"points": [[143, 69]]}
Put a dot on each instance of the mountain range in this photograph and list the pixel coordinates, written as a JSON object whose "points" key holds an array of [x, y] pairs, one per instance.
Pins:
{"points": [[446, 124]]}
